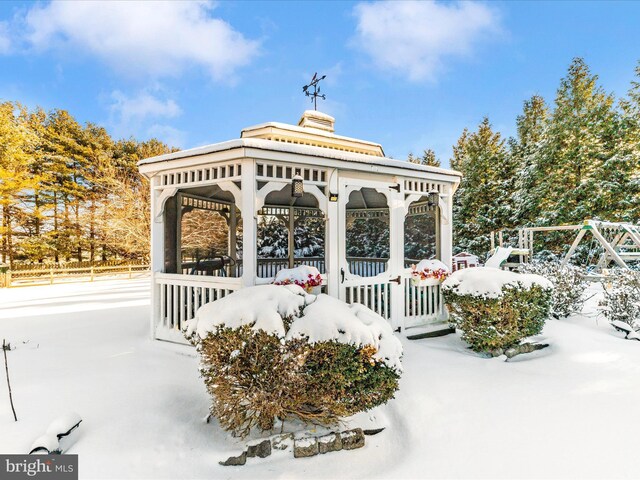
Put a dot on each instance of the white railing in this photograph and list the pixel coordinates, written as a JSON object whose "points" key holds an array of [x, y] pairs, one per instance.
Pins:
{"points": [[269, 267], [375, 294], [266, 268], [180, 296], [367, 267], [422, 304]]}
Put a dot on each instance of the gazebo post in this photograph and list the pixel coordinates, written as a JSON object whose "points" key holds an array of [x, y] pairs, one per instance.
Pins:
{"points": [[332, 254], [396, 255], [249, 214], [157, 252], [446, 227], [291, 245], [233, 226]]}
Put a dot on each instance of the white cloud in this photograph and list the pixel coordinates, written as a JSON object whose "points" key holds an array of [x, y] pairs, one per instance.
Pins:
{"points": [[157, 38], [139, 115], [143, 105], [5, 41], [168, 134], [414, 38]]}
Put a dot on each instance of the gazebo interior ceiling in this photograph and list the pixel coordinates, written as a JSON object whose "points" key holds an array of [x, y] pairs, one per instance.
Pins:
{"points": [[366, 198], [213, 192], [283, 198]]}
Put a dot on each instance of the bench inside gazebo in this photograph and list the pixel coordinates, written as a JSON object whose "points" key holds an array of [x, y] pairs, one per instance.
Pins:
{"points": [[232, 214]]}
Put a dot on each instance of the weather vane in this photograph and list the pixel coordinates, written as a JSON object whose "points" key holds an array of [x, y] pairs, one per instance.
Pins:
{"points": [[316, 90]]}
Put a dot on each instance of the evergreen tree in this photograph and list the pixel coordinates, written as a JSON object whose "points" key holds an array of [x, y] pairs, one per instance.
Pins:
{"points": [[99, 150], [66, 157], [482, 203], [36, 245], [428, 158], [531, 130], [460, 152], [579, 141], [621, 173], [15, 173]]}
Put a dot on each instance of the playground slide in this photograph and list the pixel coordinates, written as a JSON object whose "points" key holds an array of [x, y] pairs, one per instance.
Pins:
{"points": [[499, 257]]}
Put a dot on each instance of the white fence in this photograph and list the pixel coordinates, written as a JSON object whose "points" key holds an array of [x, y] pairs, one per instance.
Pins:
{"points": [[422, 304], [50, 274], [269, 267], [177, 297], [180, 296], [375, 295]]}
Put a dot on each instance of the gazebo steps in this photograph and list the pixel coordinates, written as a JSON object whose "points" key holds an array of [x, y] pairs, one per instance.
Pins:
{"points": [[429, 331]]}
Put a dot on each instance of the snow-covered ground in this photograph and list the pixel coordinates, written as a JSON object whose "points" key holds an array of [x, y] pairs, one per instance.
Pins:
{"points": [[569, 411]]}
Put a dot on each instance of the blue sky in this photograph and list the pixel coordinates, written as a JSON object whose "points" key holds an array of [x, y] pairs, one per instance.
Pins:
{"points": [[409, 75]]}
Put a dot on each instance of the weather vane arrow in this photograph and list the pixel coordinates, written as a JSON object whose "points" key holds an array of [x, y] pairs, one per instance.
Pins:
{"points": [[316, 90]]}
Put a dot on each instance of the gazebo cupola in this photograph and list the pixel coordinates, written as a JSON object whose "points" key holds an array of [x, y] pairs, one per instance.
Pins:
{"points": [[314, 129], [232, 214]]}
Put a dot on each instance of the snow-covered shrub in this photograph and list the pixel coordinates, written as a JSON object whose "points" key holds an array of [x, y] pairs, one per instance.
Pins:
{"points": [[569, 285], [275, 352], [495, 309], [621, 297]]}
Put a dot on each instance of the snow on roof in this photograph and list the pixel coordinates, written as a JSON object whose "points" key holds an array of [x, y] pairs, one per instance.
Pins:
{"points": [[464, 254], [262, 144], [320, 318], [488, 282]]}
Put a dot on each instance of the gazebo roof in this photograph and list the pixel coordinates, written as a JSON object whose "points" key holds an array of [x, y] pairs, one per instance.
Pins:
{"points": [[312, 137]]}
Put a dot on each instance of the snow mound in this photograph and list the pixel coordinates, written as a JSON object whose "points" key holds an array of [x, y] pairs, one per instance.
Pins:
{"points": [[63, 425], [45, 444], [329, 319], [60, 428], [318, 318], [488, 282], [630, 332], [263, 307]]}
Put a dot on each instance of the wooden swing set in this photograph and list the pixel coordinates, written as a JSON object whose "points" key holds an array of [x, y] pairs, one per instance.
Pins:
{"points": [[620, 243]]}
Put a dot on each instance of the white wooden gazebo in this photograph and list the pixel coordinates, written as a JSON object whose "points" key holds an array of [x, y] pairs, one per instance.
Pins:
{"points": [[230, 215]]}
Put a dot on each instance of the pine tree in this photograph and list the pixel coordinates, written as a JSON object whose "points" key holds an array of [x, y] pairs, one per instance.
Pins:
{"points": [[531, 130], [621, 173], [36, 246], [428, 158], [15, 175], [482, 203], [579, 141], [66, 156], [460, 152], [99, 150]]}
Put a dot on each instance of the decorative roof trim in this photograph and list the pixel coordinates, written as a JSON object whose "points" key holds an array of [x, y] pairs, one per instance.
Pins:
{"points": [[271, 145]]}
